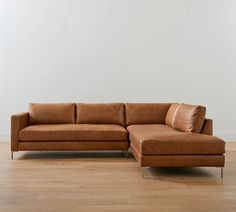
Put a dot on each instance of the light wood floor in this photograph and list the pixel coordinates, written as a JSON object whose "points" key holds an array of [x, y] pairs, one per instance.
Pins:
{"points": [[40, 181]]}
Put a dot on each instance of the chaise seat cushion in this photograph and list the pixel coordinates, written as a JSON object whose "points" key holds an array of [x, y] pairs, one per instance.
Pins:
{"points": [[158, 139], [73, 132]]}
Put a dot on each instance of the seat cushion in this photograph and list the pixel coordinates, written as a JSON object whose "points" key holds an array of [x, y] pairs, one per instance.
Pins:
{"points": [[53, 113], [189, 118], [146, 113], [105, 113], [157, 139], [73, 132]]}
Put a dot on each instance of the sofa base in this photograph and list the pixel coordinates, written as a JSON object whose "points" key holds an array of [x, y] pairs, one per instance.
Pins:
{"points": [[178, 160], [72, 145]]}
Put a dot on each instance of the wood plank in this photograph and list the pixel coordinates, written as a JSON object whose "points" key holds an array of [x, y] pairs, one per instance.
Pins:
{"points": [[69, 181]]}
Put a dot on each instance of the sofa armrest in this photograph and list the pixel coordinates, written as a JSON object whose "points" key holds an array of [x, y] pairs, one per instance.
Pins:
{"points": [[18, 122], [207, 127]]}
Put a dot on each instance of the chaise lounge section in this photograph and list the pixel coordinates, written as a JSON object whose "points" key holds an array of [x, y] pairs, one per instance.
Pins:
{"points": [[158, 134], [182, 137]]}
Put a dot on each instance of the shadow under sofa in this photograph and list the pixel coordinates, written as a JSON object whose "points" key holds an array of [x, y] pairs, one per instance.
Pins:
{"points": [[158, 134]]}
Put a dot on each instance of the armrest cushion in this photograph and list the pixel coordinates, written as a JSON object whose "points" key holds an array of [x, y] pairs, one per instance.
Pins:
{"points": [[207, 127], [18, 122]]}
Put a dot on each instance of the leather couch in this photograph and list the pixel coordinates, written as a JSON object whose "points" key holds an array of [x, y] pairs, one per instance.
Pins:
{"points": [[158, 134]]}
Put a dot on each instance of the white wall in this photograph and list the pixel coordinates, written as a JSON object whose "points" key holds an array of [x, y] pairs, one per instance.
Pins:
{"points": [[119, 50]]}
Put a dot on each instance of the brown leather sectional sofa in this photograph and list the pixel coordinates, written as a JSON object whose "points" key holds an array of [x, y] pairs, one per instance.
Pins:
{"points": [[158, 134]]}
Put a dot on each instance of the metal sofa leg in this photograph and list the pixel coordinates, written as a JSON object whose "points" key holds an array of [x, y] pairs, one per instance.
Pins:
{"points": [[127, 153], [222, 172], [142, 171], [12, 155]]}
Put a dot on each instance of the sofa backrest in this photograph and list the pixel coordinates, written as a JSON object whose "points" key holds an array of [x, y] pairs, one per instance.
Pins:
{"points": [[53, 113], [104, 113], [146, 113], [184, 117]]}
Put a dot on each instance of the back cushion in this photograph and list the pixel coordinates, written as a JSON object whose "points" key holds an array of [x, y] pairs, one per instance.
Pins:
{"points": [[56, 113], [170, 116], [146, 113], [190, 118], [110, 113]]}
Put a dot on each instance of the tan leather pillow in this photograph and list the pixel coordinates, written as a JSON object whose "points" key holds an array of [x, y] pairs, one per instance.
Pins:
{"points": [[170, 116], [104, 113], [53, 113], [146, 113], [190, 118]]}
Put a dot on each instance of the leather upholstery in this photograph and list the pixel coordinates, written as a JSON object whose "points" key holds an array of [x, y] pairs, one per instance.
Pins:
{"points": [[207, 127], [154, 141], [171, 114], [18, 122], [71, 132], [146, 113], [57, 113], [189, 118], [164, 140], [109, 113]]}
